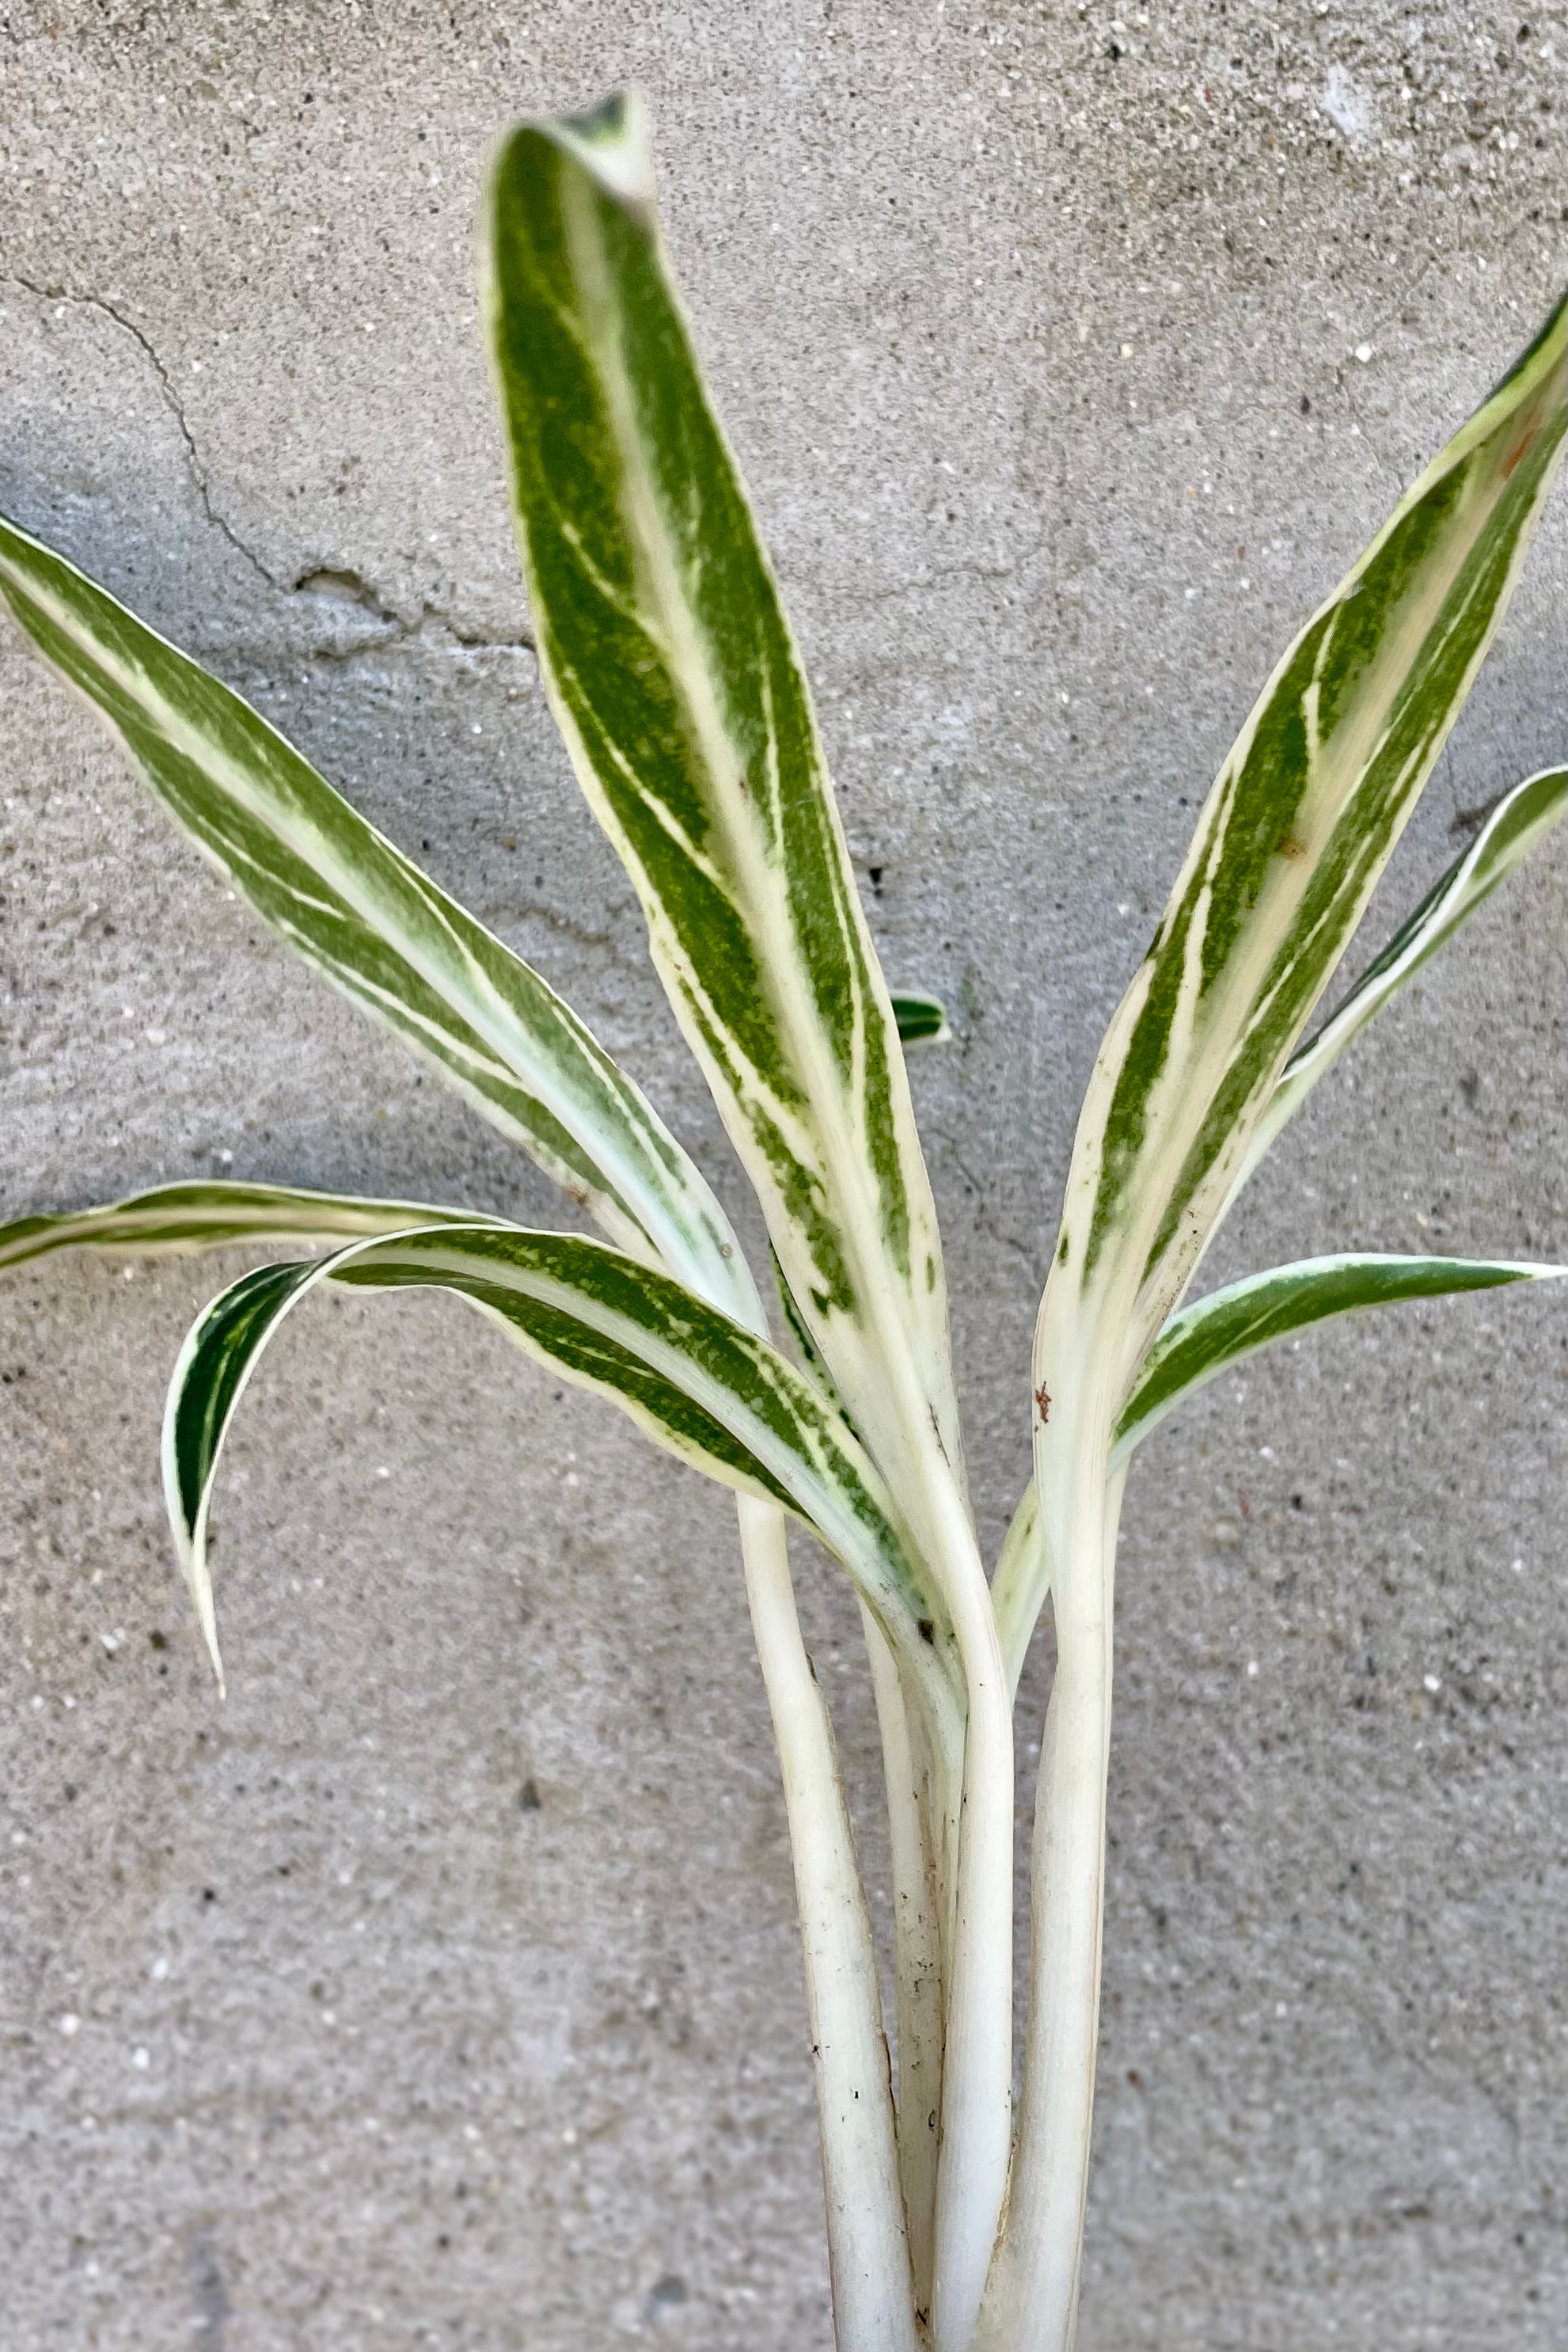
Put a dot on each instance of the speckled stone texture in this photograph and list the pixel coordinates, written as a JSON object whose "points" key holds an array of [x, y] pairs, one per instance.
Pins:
{"points": [[441, 1989]]}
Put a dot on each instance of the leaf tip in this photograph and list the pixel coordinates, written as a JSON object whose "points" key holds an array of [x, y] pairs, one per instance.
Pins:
{"points": [[610, 141], [921, 1019]]}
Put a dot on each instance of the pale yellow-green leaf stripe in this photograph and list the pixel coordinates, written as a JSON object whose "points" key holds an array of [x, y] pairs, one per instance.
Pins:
{"points": [[1218, 1332], [173, 1220], [698, 1383], [676, 683], [367, 917], [1521, 818], [1293, 837]]}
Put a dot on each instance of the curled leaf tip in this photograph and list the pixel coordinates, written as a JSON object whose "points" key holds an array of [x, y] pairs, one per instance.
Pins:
{"points": [[610, 141]]}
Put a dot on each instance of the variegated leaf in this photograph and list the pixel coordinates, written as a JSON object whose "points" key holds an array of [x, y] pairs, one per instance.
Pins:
{"points": [[700, 1384], [1290, 846], [1520, 818], [677, 687], [365, 916], [800, 1330], [1210, 1337], [173, 1219], [1217, 1332], [921, 1020], [1290, 843]]}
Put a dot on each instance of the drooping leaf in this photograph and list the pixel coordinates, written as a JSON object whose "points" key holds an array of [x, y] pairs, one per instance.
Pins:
{"points": [[365, 915], [677, 687], [173, 1219], [1520, 818], [698, 1383], [1291, 841], [1215, 1333], [922, 1019]]}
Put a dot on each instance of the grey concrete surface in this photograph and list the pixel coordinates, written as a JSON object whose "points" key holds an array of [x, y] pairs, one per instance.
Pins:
{"points": [[441, 1989]]}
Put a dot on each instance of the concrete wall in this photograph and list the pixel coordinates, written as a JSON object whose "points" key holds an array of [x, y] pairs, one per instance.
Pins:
{"points": [[441, 1989]]}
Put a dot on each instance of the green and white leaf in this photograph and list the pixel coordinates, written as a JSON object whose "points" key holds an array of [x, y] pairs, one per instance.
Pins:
{"points": [[920, 1018], [678, 689], [801, 1331], [1292, 839], [176, 1219], [365, 915], [1218, 1332], [698, 1383], [1290, 844], [1521, 818]]}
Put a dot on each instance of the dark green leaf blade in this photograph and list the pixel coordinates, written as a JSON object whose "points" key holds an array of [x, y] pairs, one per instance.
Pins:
{"points": [[922, 1019], [1292, 839], [679, 691], [360, 912], [701, 1385], [1218, 1332], [176, 1219], [1521, 818]]}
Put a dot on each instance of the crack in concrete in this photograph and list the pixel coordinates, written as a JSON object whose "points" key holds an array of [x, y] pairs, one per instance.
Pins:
{"points": [[1380, 463], [572, 927], [346, 586], [432, 626], [938, 575], [1470, 820], [144, 344], [985, 1217], [349, 584], [208, 2292]]}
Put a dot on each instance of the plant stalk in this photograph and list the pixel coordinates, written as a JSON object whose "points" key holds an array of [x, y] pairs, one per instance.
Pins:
{"points": [[868, 2252], [977, 2080], [918, 1920], [1032, 2298]]}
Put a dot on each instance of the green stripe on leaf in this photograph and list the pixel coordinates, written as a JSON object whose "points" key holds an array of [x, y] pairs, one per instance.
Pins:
{"points": [[921, 1020], [1513, 828], [1293, 837], [174, 1218], [366, 916], [677, 687], [701, 1385], [1218, 1332]]}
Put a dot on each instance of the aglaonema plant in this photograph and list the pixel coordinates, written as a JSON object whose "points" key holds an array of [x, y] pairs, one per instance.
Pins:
{"points": [[953, 2222]]}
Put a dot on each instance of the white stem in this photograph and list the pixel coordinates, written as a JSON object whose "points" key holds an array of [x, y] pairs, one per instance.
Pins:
{"points": [[1021, 1580], [873, 2308], [1033, 2296], [914, 1832], [977, 2080]]}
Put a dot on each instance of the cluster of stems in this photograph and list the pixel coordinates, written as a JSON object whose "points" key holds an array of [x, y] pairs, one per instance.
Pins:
{"points": [[956, 2220]]}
